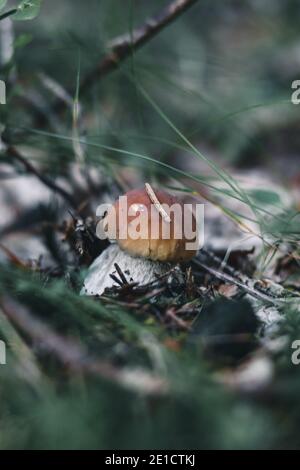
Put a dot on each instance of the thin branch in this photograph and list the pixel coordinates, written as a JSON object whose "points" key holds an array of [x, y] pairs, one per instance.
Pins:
{"points": [[14, 153], [245, 287], [171, 313], [8, 13], [71, 354], [123, 46]]}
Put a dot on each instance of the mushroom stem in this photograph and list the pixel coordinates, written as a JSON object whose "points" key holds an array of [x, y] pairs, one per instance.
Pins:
{"points": [[139, 270]]}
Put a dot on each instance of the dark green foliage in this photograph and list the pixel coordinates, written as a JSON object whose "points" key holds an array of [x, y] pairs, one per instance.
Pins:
{"points": [[226, 329]]}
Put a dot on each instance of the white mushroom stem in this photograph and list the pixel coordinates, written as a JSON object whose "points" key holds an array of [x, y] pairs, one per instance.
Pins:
{"points": [[139, 270]]}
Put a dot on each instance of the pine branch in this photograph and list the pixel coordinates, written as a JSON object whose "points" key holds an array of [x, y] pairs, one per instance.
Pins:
{"points": [[123, 46]]}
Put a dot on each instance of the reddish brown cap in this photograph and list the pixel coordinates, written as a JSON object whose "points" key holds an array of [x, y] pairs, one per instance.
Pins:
{"points": [[158, 220]]}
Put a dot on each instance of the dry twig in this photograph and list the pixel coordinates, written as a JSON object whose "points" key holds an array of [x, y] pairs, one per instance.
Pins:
{"points": [[123, 46], [156, 203]]}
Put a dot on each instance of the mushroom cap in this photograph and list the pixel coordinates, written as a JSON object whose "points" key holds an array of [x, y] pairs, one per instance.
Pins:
{"points": [[157, 231]]}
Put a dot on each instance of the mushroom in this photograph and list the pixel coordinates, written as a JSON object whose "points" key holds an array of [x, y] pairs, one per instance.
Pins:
{"points": [[151, 230]]}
